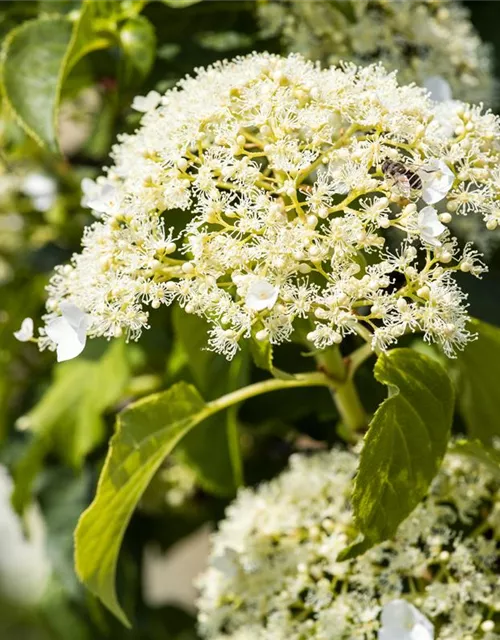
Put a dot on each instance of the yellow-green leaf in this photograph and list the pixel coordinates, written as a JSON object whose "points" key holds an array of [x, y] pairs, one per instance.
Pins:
{"points": [[146, 433]]}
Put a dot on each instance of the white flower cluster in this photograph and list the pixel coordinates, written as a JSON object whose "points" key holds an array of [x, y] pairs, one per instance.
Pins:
{"points": [[273, 573], [423, 39], [266, 190]]}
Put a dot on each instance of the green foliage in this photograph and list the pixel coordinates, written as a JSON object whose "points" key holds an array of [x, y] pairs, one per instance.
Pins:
{"points": [[138, 43], [146, 433], [478, 373], [70, 413], [212, 450], [478, 451], [404, 446], [37, 56]]}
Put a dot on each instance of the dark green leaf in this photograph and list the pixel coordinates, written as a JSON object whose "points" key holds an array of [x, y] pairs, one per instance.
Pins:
{"points": [[147, 431], [478, 451], [404, 446], [478, 372]]}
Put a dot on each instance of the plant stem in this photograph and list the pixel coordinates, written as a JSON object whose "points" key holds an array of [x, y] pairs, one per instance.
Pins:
{"points": [[344, 393], [313, 379]]}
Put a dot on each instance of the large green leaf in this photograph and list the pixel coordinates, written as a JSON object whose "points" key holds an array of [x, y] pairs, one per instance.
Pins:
{"points": [[36, 58], [404, 446], [147, 431], [478, 369], [69, 414], [212, 450]]}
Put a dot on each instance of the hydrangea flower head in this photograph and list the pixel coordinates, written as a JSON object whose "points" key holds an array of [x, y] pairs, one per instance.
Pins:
{"points": [[273, 569], [430, 42], [266, 189]]}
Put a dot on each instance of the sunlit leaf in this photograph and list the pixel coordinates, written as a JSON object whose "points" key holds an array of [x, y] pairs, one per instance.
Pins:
{"points": [[404, 446]]}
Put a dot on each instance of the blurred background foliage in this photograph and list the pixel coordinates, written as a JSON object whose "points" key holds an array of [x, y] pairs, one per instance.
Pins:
{"points": [[55, 420]]}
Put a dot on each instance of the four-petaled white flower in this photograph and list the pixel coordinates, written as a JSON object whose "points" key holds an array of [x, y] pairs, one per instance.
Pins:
{"points": [[437, 179], [69, 331], [261, 295], [146, 103], [102, 198], [439, 89], [402, 621], [25, 333], [41, 189], [429, 226]]}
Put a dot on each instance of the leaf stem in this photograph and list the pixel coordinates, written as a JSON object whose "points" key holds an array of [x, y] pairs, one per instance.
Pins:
{"points": [[313, 379], [344, 392]]}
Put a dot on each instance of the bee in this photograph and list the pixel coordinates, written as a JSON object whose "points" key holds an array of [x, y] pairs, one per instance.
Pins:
{"points": [[404, 179]]}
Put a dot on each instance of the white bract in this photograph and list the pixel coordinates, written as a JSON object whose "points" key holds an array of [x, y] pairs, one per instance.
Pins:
{"points": [[437, 180], [25, 333], [261, 295], [439, 89], [282, 579], [146, 103], [429, 226], [402, 621], [278, 166], [68, 331]]}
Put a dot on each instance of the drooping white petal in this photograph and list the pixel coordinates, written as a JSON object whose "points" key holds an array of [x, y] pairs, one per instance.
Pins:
{"points": [[25, 333], [261, 295], [103, 199], [439, 89], [146, 103], [429, 226], [437, 179], [69, 331], [402, 621]]}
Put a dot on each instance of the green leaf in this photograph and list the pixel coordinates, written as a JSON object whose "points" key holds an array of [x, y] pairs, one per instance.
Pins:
{"points": [[138, 43], [36, 58], [404, 446], [147, 431], [69, 415], [212, 450], [478, 373], [478, 451], [179, 4], [262, 353]]}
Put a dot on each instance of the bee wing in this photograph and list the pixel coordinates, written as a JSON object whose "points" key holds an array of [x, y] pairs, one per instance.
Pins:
{"points": [[403, 186]]}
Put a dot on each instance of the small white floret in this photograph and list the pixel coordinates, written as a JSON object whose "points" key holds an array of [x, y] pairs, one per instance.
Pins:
{"points": [[437, 179], [261, 295], [41, 189], [402, 621], [69, 331], [146, 103], [429, 226], [25, 333]]}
